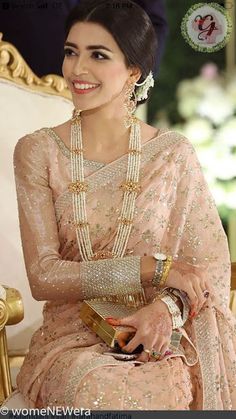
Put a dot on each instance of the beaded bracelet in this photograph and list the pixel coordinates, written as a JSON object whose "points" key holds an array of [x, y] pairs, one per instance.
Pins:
{"points": [[174, 310], [177, 319]]}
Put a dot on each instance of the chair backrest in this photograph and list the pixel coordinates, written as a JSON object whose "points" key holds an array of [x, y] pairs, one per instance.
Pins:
{"points": [[27, 103]]}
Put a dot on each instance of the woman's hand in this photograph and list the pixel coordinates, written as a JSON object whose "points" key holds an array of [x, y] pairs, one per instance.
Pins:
{"points": [[153, 326], [191, 280]]}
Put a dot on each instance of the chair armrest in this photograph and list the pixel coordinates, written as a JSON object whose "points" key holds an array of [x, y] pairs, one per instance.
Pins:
{"points": [[14, 305], [11, 312]]}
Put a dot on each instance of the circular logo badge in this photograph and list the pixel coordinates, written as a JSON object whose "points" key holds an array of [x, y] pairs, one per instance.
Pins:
{"points": [[206, 27]]}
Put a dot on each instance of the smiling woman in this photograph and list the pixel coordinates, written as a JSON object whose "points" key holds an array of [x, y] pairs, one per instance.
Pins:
{"points": [[111, 209]]}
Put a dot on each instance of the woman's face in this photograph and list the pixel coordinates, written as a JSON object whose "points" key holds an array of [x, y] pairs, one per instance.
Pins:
{"points": [[94, 67]]}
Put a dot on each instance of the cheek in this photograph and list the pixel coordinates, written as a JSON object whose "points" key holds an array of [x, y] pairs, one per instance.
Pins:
{"points": [[115, 76], [65, 68]]}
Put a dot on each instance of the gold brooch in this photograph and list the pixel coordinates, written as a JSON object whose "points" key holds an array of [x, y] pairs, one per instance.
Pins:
{"points": [[77, 151], [81, 224], [134, 151], [130, 186], [103, 254], [77, 187]]}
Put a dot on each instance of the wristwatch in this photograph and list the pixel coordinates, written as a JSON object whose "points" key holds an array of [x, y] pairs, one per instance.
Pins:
{"points": [[160, 256], [161, 259]]}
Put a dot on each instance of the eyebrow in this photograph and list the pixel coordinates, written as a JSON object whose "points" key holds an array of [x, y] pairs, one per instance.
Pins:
{"points": [[89, 47]]}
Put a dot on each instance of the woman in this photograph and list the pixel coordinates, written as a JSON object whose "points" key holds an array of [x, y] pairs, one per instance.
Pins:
{"points": [[98, 197]]}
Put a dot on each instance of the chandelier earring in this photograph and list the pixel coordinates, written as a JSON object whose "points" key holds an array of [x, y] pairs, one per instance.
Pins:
{"points": [[136, 92], [130, 103], [76, 115]]}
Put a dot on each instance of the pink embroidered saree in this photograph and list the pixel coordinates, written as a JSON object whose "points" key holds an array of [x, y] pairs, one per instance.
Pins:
{"points": [[175, 214]]}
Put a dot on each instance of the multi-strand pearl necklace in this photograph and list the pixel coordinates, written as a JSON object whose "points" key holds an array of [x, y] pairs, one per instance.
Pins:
{"points": [[79, 187]]}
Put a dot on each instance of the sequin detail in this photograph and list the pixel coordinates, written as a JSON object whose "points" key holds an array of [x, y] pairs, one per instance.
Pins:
{"points": [[79, 372], [65, 150], [205, 344], [110, 172], [119, 276]]}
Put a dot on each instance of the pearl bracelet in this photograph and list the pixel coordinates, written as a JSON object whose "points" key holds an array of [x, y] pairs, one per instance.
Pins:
{"points": [[174, 310], [182, 296]]}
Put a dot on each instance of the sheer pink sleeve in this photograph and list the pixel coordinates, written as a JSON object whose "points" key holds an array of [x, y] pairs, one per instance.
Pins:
{"points": [[47, 273], [50, 277]]}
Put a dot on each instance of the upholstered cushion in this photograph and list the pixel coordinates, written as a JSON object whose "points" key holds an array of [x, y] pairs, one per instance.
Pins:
{"points": [[22, 111], [2, 293], [15, 401]]}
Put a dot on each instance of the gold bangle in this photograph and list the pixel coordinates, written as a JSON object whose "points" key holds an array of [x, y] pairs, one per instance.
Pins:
{"points": [[158, 296], [166, 271]]}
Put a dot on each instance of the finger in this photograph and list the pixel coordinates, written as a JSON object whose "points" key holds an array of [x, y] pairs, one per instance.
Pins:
{"points": [[123, 338], [210, 288], [157, 348], [200, 272], [143, 357], [199, 292], [193, 299], [132, 344], [125, 321], [164, 349]]}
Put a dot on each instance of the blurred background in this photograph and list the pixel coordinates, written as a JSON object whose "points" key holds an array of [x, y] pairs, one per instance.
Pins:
{"points": [[195, 94]]}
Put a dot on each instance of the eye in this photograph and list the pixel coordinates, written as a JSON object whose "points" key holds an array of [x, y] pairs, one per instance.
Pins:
{"points": [[68, 52], [99, 56]]}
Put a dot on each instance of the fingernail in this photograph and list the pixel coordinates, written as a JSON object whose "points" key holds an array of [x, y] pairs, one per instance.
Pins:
{"points": [[109, 318], [113, 321], [168, 353], [192, 314]]}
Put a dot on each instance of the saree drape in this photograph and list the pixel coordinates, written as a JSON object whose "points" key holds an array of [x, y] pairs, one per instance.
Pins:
{"points": [[175, 214]]}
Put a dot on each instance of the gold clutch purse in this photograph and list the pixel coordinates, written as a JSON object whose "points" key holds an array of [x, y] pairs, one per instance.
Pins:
{"points": [[93, 313]]}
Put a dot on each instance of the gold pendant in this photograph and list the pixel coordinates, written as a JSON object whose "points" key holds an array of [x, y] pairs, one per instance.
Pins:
{"points": [[103, 254]]}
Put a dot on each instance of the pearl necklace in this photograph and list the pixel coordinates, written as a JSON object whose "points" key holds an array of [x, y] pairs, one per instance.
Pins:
{"points": [[78, 187]]}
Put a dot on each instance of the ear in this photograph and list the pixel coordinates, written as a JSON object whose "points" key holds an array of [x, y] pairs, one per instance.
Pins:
{"points": [[135, 73]]}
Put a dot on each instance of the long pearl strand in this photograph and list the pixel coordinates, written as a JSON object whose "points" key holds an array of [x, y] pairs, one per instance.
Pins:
{"points": [[78, 187]]}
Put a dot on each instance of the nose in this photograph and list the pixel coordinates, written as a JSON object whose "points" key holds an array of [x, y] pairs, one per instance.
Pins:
{"points": [[80, 66]]}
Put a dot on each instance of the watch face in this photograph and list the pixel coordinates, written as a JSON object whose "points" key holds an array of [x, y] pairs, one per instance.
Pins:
{"points": [[160, 256]]}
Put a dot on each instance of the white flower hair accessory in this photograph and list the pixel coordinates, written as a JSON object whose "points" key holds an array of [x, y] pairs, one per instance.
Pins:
{"points": [[142, 91]]}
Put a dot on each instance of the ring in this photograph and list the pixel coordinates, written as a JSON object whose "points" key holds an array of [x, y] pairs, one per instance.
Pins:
{"points": [[206, 293], [155, 353], [147, 351]]}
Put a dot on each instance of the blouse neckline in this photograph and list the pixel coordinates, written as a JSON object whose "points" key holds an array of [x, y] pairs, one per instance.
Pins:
{"points": [[66, 151]]}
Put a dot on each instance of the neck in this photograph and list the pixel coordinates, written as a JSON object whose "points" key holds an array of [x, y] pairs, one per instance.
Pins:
{"points": [[104, 129]]}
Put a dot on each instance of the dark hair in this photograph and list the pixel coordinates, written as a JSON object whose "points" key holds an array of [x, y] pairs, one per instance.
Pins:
{"points": [[129, 25]]}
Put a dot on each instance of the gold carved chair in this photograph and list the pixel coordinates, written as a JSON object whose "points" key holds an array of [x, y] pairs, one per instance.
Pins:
{"points": [[27, 103]]}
